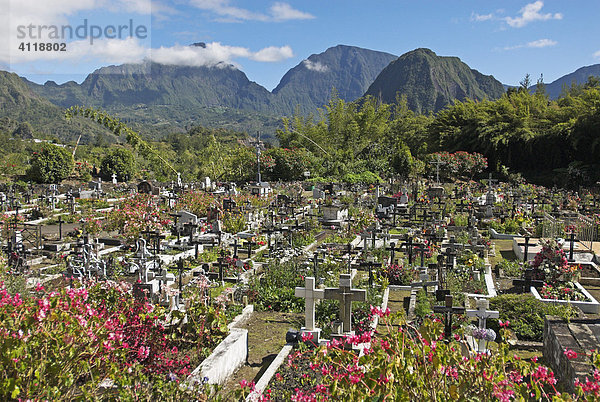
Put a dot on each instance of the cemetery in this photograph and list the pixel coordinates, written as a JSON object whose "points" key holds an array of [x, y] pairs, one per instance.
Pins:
{"points": [[189, 289]]}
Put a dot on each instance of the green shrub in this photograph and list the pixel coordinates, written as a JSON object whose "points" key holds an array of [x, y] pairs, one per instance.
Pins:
{"points": [[51, 164], [119, 161], [526, 314]]}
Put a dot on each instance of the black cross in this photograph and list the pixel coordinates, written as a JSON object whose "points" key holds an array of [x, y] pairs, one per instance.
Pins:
{"points": [[408, 243], [421, 248], [220, 265], [293, 228], [250, 244], [316, 261], [448, 312], [181, 267], [526, 248], [527, 282], [392, 249], [235, 247], [450, 256], [60, 222], [572, 241], [369, 265], [176, 216]]}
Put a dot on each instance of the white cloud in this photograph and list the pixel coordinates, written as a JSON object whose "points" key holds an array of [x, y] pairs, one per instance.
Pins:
{"points": [[479, 18], [597, 54], [540, 43], [278, 12], [315, 66], [284, 12], [530, 13], [273, 54]]}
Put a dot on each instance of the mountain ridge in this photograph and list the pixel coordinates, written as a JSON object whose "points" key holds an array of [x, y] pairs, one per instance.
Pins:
{"points": [[431, 82]]}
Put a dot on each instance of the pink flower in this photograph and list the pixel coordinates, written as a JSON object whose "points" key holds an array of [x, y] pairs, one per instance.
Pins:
{"points": [[307, 336], [504, 324], [571, 354]]}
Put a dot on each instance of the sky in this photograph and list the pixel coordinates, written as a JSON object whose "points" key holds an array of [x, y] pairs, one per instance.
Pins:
{"points": [[265, 38]]}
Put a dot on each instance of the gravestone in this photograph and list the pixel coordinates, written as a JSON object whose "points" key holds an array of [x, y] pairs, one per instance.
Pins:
{"points": [[310, 295], [345, 295]]}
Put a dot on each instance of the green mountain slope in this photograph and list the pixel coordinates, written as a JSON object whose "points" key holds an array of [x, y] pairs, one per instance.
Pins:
{"points": [[19, 104], [431, 82], [347, 69]]}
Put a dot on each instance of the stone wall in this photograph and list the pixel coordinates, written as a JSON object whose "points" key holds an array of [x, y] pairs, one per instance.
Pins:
{"points": [[581, 336]]}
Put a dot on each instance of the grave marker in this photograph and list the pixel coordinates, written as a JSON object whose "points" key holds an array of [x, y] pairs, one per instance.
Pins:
{"points": [[345, 295]]}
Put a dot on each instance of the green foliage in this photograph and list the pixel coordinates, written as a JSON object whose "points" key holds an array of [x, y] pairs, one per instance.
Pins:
{"points": [[51, 164], [363, 178], [512, 269], [274, 290], [119, 161], [526, 314]]}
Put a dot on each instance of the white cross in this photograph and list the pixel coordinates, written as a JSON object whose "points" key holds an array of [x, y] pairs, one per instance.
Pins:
{"points": [[482, 313], [310, 294]]}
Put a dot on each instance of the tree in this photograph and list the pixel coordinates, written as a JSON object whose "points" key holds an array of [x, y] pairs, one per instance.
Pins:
{"points": [[402, 160], [51, 164], [119, 161]]}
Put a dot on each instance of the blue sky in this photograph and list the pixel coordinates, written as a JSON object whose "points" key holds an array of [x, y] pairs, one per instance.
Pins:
{"points": [[266, 38]]}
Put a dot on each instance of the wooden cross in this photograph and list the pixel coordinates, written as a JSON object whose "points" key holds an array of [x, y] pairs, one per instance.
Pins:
{"points": [[527, 282], [421, 248], [346, 295], [310, 295], [220, 265], [448, 311]]}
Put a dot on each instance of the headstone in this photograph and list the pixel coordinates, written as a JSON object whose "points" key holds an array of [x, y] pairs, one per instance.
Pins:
{"points": [[310, 295], [346, 295]]}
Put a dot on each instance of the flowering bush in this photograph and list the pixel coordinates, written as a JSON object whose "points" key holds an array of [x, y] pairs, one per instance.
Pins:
{"points": [[566, 291], [399, 274], [66, 344], [552, 266], [196, 202], [135, 215]]}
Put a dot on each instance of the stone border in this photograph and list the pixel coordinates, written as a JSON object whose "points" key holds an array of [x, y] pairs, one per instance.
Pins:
{"points": [[591, 307], [227, 357]]}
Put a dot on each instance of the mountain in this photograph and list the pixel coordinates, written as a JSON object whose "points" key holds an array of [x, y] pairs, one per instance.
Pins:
{"points": [[430, 82], [579, 76], [19, 104], [347, 69]]}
